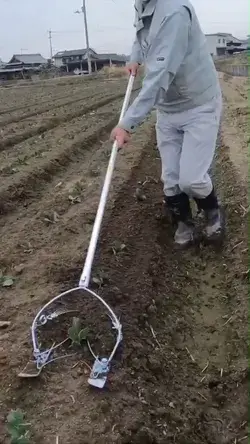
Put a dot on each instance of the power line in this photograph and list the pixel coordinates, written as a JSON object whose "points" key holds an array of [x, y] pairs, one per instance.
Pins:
{"points": [[128, 29], [95, 29]]}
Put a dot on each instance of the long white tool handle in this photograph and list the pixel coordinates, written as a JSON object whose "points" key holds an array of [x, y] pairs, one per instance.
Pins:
{"points": [[86, 273]]}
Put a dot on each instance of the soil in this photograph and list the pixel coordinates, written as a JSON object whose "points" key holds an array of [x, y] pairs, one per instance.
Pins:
{"points": [[181, 374], [235, 131], [38, 122]]}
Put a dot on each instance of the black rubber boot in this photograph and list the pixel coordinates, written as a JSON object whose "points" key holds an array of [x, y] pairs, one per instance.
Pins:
{"points": [[181, 215], [215, 221]]}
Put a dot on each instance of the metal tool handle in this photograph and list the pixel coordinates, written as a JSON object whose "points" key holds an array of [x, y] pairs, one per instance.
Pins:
{"points": [[86, 273]]}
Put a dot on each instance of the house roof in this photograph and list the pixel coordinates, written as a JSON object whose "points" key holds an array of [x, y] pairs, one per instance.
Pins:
{"points": [[228, 36], [221, 34], [83, 52], [29, 58], [73, 52], [112, 56]]}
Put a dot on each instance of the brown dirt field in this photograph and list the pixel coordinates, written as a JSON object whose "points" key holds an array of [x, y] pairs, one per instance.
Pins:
{"points": [[235, 130], [41, 100], [16, 130], [181, 374], [15, 97]]}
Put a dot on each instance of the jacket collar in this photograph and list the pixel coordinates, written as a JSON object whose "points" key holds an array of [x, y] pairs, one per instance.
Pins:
{"points": [[144, 8]]}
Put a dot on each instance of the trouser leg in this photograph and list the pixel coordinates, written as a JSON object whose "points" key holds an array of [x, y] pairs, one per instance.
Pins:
{"points": [[201, 127], [170, 140]]}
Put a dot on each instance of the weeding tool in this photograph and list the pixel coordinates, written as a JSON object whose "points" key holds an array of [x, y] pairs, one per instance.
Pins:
{"points": [[101, 367]]}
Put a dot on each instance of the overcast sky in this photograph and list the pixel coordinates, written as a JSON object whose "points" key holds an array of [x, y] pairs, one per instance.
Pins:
{"points": [[24, 24]]}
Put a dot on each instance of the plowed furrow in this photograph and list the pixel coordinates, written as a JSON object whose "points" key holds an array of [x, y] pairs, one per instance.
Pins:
{"points": [[19, 96], [36, 148], [26, 184], [8, 139], [49, 106], [40, 99], [82, 181]]}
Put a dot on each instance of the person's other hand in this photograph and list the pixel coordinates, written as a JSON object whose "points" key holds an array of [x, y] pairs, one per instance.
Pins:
{"points": [[132, 68], [120, 135]]}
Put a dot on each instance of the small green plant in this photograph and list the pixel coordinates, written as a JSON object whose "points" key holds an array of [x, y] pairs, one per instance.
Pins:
{"points": [[118, 247], [17, 428], [76, 333], [76, 192], [100, 278], [6, 281], [75, 199], [77, 189], [22, 160], [51, 218], [106, 153]]}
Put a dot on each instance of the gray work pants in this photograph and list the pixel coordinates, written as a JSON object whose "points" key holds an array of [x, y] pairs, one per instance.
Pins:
{"points": [[187, 142]]}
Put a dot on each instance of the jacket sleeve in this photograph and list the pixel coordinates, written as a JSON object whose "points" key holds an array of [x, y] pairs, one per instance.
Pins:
{"points": [[165, 55], [136, 53]]}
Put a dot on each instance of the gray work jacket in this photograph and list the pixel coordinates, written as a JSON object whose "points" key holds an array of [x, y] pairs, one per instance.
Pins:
{"points": [[179, 71]]}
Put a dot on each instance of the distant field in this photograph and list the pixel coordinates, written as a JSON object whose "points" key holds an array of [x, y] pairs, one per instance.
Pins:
{"points": [[238, 59]]}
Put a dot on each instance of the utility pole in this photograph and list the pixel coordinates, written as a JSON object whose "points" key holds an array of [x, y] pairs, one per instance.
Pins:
{"points": [[84, 11], [86, 35], [50, 45]]}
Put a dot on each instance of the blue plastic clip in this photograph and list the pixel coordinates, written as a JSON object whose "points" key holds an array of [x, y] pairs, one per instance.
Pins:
{"points": [[99, 373]]}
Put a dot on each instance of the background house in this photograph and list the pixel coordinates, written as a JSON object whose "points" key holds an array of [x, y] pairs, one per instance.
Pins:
{"points": [[27, 60], [22, 66], [76, 60], [221, 44], [113, 59], [236, 45]]}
